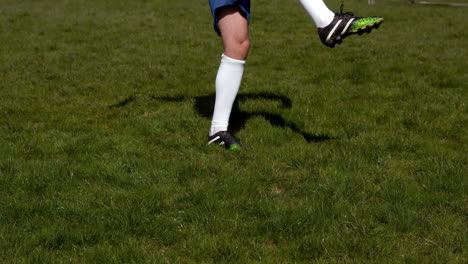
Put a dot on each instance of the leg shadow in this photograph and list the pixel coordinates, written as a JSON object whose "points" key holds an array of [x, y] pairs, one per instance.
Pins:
{"points": [[204, 105]]}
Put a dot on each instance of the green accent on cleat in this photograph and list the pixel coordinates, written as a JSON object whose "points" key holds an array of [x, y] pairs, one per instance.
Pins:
{"points": [[234, 147], [224, 138], [363, 23]]}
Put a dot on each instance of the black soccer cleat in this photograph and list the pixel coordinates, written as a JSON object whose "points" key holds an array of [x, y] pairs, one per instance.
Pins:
{"points": [[346, 24], [225, 139]]}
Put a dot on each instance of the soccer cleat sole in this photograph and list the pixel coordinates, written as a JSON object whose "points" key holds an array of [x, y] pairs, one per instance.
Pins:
{"points": [[367, 29], [233, 147]]}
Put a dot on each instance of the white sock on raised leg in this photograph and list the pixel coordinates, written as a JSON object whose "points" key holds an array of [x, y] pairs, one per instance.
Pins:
{"points": [[228, 81], [319, 12]]}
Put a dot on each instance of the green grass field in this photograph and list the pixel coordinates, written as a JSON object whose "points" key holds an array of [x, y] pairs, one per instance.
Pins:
{"points": [[354, 154]]}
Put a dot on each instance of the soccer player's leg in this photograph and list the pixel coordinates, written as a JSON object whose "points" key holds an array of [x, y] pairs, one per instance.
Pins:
{"points": [[233, 28], [333, 28]]}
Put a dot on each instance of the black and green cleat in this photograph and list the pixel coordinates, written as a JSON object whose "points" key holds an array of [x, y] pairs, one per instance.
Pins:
{"points": [[224, 138], [346, 24]]}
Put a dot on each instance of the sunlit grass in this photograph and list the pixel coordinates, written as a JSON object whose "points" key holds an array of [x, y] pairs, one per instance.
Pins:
{"points": [[353, 154]]}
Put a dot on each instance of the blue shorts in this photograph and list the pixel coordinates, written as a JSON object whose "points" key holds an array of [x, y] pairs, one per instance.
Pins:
{"points": [[244, 5]]}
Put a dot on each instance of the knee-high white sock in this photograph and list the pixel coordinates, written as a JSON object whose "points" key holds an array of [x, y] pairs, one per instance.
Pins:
{"points": [[318, 11], [228, 81]]}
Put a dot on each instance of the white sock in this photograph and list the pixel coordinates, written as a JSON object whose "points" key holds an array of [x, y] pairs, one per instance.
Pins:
{"points": [[319, 12], [228, 81]]}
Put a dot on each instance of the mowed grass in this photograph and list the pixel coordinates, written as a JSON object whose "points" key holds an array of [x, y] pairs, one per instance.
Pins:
{"points": [[103, 128]]}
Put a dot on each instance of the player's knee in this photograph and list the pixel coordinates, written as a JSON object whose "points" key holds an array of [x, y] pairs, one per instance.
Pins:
{"points": [[238, 49], [241, 49], [244, 46]]}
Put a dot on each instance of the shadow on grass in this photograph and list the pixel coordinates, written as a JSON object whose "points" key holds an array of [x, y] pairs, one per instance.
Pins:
{"points": [[204, 105]]}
